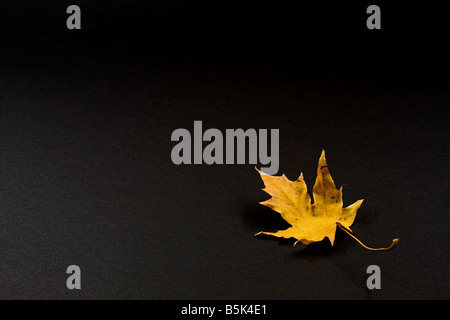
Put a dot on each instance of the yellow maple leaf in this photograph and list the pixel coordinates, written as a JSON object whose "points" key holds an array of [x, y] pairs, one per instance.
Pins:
{"points": [[310, 222]]}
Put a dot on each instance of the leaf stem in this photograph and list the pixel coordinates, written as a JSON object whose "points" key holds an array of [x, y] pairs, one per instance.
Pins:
{"points": [[394, 242]]}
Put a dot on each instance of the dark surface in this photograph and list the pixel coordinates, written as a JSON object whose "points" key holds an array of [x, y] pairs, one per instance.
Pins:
{"points": [[86, 174]]}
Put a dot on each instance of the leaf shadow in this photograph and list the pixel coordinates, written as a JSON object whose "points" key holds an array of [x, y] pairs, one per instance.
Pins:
{"points": [[322, 248], [261, 218], [316, 249]]}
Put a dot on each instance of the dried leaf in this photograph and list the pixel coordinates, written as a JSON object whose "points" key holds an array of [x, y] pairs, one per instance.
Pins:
{"points": [[310, 222]]}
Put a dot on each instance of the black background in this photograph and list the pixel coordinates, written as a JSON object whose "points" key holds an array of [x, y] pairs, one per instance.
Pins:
{"points": [[86, 120]]}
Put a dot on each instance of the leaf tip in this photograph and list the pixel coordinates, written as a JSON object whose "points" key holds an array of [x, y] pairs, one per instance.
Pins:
{"points": [[322, 160], [261, 173]]}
